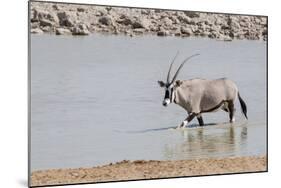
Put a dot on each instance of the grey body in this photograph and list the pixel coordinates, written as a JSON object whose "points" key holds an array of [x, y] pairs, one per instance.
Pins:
{"points": [[199, 96]]}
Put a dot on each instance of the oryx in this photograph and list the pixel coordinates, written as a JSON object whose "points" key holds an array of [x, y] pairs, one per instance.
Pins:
{"points": [[199, 96]]}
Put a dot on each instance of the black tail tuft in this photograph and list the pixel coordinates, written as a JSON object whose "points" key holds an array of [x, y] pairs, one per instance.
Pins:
{"points": [[243, 106]]}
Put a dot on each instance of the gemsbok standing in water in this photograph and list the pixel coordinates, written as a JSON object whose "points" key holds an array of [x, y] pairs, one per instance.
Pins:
{"points": [[199, 96]]}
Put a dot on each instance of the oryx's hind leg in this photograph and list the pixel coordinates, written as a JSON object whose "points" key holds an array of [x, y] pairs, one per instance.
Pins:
{"points": [[200, 120], [231, 111], [225, 107]]}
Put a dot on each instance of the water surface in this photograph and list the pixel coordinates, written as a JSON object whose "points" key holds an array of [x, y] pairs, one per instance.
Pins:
{"points": [[95, 100]]}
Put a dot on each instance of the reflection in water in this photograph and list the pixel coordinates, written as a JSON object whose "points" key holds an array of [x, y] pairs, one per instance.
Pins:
{"points": [[203, 141]]}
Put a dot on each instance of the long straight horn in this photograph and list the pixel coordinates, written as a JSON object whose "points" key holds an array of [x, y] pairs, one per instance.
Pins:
{"points": [[169, 72], [176, 74]]}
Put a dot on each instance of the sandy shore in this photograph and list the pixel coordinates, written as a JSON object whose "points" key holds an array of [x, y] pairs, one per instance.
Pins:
{"points": [[130, 170], [73, 19]]}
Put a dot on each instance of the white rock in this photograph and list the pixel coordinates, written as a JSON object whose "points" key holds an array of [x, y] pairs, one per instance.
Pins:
{"points": [[62, 31], [36, 31]]}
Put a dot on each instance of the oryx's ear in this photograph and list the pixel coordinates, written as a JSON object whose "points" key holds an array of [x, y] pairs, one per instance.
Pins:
{"points": [[161, 83], [178, 83]]}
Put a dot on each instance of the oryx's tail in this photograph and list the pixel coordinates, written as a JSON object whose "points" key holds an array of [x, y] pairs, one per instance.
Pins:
{"points": [[243, 106]]}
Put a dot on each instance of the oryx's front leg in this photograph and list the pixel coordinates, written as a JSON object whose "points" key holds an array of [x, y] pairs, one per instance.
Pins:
{"points": [[187, 120]]}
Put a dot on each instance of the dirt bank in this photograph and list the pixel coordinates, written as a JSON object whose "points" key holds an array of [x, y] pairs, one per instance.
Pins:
{"points": [[63, 19], [129, 170]]}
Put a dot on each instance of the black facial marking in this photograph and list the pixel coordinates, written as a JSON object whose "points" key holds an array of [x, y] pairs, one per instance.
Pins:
{"points": [[172, 89], [167, 94]]}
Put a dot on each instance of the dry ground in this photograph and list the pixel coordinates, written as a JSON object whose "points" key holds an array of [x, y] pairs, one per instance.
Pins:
{"points": [[130, 170]]}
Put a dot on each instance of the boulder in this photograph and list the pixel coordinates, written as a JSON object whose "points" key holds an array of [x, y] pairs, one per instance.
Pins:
{"points": [[224, 37], [80, 9], [62, 31], [124, 20], [34, 25], [263, 20], [145, 12], [45, 22], [154, 28], [232, 34], [204, 33], [192, 14], [36, 31], [105, 20], [174, 19], [167, 21], [66, 19], [42, 14], [233, 24], [56, 7], [210, 20], [163, 32], [129, 33], [257, 20], [264, 32], [227, 38], [220, 21], [100, 11], [240, 36], [212, 35], [108, 9], [186, 31], [47, 29], [139, 31], [80, 29], [251, 35], [184, 19], [177, 34], [144, 23]]}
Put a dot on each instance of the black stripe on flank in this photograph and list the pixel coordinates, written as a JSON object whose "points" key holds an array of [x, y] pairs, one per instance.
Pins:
{"points": [[214, 108]]}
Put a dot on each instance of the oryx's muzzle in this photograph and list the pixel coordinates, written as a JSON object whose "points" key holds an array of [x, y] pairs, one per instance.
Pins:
{"points": [[166, 102]]}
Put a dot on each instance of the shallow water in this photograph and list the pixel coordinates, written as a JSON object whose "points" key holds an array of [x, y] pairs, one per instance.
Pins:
{"points": [[95, 100]]}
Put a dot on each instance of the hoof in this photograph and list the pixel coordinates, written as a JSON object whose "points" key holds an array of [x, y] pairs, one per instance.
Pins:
{"points": [[232, 120], [179, 127]]}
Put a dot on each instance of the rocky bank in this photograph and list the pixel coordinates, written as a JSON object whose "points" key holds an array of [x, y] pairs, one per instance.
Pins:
{"points": [[73, 19]]}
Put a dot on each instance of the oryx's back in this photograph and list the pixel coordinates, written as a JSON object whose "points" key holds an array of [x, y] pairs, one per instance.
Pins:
{"points": [[223, 88]]}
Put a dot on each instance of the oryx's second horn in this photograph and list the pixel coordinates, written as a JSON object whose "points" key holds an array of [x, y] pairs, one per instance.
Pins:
{"points": [[169, 72]]}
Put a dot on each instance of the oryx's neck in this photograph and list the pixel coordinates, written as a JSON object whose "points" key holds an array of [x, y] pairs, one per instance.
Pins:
{"points": [[181, 98]]}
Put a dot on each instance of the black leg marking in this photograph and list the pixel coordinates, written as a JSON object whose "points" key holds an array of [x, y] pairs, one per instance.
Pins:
{"points": [[200, 120], [187, 120], [190, 117]]}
